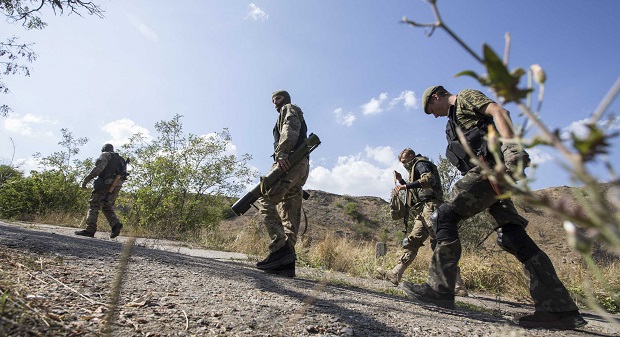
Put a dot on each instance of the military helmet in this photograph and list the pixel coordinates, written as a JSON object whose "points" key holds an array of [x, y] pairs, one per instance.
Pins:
{"points": [[107, 148], [426, 96]]}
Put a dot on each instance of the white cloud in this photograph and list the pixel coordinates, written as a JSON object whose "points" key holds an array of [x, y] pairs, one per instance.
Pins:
{"points": [[580, 129], [382, 154], [355, 175], [28, 125], [27, 164], [374, 106], [344, 119], [408, 99], [256, 13], [145, 30], [538, 156], [121, 131]]}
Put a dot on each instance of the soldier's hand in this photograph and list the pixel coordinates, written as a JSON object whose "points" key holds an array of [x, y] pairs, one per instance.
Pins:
{"points": [[283, 164], [398, 188], [516, 160]]}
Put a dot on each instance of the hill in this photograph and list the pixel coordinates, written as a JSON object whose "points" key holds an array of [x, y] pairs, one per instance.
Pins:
{"points": [[367, 218]]}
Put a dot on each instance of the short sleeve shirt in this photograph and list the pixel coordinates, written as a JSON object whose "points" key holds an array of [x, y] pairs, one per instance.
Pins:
{"points": [[468, 102]]}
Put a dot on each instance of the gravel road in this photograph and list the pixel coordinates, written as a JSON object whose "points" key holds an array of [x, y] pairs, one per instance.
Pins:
{"points": [[172, 290]]}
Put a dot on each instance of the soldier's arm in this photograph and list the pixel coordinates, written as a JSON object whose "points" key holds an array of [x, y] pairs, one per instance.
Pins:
{"points": [[289, 133], [427, 178], [501, 118], [100, 165]]}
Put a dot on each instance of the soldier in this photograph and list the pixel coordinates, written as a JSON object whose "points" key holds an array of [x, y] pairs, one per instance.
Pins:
{"points": [[280, 206], [424, 196], [473, 112], [107, 167]]}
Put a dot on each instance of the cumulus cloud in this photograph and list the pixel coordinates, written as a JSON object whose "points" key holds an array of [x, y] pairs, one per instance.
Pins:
{"points": [[580, 129], [344, 119], [538, 156], [121, 131], [145, 30], [374, 106], [408, 99], [368, 174], [28, 125], [256, 13]]}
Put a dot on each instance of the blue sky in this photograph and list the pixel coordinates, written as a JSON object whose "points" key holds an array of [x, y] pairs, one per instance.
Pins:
{"points": [[353, 68]]}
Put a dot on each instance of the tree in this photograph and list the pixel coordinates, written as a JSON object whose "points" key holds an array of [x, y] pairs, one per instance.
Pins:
{"points": [[181, 183], [13, 54]]}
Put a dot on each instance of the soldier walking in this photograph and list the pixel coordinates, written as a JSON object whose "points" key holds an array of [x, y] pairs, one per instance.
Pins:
{"points": [[473, 112], [424, 196], [280, 206], [108, 166]]}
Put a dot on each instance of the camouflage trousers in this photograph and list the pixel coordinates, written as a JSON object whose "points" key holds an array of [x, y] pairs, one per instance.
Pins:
{"points": [[280, 207], [96, 203], [421, 230], [473, 194]]}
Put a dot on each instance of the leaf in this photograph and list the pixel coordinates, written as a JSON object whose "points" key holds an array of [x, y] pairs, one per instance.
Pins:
{"points": [[500, 79], [595, 143]]}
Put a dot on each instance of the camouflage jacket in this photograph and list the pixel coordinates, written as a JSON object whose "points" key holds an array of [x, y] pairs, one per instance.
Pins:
{"points": [[289, 132]]}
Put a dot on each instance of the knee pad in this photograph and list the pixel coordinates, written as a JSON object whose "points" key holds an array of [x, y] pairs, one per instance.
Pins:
{"points": [[515, 240], [445, 223]]}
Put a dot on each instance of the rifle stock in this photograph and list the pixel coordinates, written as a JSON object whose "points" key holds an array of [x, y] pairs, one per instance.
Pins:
{"points": [[243, 204]]}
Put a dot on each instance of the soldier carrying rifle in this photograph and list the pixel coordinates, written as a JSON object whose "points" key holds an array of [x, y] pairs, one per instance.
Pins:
{"points": [[280, 204]]}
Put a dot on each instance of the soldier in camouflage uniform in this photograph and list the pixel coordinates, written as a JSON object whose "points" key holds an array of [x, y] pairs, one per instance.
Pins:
{"points": [[424, 196], [473, 112], [107, 167], [280, 206]]}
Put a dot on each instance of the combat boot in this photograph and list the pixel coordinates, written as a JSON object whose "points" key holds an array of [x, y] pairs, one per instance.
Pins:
{"points": [[116, 230], [459, 287], [280, 257], [287, 270], [84, 232], [567, 320], [423, 292], [395, 274]]}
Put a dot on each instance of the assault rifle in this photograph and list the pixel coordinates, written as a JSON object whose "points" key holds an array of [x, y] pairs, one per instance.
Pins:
{"points": [[242, 205], [118, 177]]}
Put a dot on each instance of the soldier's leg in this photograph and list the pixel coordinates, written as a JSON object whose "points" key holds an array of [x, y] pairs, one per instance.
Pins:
{"points": [[471, 195], [411, 245], [552, 302], [94, 205], [280, 219], [289, 211], [107, 208]]}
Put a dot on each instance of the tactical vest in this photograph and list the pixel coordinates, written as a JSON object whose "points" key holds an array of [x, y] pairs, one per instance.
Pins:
{"points": [[424, 194], [116, 165], [303, 134], [455, 152]]}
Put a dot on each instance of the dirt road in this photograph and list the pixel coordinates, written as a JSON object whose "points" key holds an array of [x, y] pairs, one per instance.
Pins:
{"points": [[171, 290]]}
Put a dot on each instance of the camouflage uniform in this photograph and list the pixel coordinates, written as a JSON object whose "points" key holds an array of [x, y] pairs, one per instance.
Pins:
{"points": [[472, 194], [281, 205], [423, 202], [106, 176]]}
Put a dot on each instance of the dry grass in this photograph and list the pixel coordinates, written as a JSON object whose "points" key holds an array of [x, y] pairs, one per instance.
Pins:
{"points": [[491, 272]]}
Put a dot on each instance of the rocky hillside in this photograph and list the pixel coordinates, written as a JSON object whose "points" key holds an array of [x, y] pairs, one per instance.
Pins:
{"points": [[367, 218]]}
